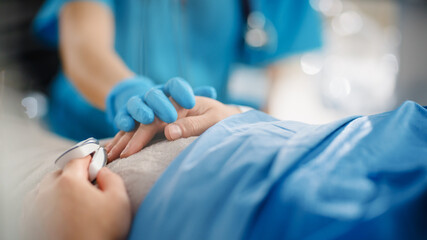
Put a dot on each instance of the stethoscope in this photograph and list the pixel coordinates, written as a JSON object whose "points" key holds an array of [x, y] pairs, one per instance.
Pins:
{"points": [[81, 150]]}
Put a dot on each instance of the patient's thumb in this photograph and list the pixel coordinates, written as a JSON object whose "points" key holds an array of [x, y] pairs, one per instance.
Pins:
{"points": [[109, 181], [187, 127]]}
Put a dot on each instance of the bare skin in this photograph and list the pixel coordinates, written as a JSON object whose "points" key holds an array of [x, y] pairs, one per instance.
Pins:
{"points": [[67, 206], [87, 50], [193, 122]]}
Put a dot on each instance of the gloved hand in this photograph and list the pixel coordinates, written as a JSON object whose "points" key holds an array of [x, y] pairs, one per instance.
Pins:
{"points": [[138, 99]]}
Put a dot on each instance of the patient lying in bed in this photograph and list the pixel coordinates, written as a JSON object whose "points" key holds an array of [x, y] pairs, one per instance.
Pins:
{"points": [[253, 176]]}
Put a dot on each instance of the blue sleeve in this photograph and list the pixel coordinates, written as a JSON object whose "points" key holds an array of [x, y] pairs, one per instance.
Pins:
{"points": [[46, 23], [253, 177], [291, 26]]}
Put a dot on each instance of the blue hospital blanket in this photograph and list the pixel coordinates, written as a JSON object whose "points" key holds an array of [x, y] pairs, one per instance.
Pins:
{"points": [[254, 177]]}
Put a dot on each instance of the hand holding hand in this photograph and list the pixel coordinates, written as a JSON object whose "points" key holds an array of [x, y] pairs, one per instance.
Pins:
{"points": [[137, 99], [191, 122]]}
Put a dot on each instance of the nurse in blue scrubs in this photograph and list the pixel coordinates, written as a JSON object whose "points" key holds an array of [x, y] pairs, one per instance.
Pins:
{"points": [[116, 53]]}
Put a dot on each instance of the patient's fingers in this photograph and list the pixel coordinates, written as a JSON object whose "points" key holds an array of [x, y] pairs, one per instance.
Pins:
{"points": [[142, 137], [189, 126], [125, 144], [191, 122], [119, 146], [113, 142]]}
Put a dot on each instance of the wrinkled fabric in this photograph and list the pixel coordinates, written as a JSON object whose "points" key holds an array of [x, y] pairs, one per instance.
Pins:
{"points": [[198, 40], [254, 177]]}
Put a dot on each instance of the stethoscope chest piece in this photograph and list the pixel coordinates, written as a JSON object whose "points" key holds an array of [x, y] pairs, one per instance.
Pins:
{"points": [[81, 150]]}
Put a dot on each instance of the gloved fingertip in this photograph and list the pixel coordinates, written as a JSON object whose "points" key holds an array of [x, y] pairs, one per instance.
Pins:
{"points": [[186, 100], [213, 94], [139, 110], [125, 123], [171, 117], [176, 80], [147, 118], [206, 91], [181, 91], [189, 103], [160, 106]]}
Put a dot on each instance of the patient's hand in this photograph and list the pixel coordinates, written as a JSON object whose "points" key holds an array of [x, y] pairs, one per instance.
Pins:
{"points": [[67, 206], [191, 122]]}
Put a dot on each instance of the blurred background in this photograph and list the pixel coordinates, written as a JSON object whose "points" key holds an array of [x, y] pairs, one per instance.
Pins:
{"points": [[374, 58]]}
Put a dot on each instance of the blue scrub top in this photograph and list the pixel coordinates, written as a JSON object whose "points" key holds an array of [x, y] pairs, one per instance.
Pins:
{"points": [[199, 40], [254, 177]]}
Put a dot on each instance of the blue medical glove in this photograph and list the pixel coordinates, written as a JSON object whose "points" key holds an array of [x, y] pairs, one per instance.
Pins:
{"points": [[137, 99], [205, 91]]}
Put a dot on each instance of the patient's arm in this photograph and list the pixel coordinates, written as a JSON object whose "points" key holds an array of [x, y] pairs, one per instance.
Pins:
{"points": [[193, 122]]}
